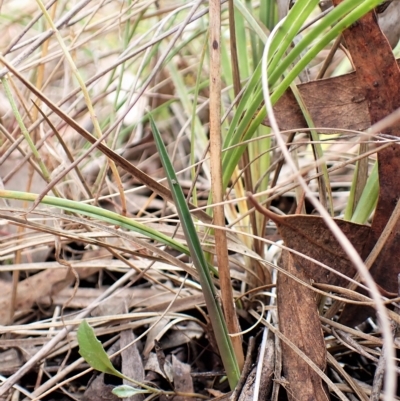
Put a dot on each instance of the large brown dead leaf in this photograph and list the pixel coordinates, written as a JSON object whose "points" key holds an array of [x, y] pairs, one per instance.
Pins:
{"points": [[356, 101], [298, 316], [337, 102], [299, 322], [310, 236], [331, 103], [378, 79]]}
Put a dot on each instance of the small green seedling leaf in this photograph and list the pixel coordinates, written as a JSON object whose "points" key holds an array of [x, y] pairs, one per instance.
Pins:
{"points": [[93, 352], [126, 391]]}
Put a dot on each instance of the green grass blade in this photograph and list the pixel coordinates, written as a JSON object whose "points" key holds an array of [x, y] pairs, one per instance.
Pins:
{"points": [[244, 124], [98, 214], [210, 294], [268, 13], [334, 17], [368, 199]]}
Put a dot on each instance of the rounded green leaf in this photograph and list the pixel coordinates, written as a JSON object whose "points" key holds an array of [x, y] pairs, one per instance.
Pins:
{"points": [[93, 352]]}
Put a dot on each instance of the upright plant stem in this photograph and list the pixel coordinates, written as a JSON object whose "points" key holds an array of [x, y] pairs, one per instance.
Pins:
{"points": [[216, 179]]}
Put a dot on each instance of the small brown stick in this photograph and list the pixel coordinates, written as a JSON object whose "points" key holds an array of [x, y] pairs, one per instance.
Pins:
{"points": [[378, 377], [329, 59]]}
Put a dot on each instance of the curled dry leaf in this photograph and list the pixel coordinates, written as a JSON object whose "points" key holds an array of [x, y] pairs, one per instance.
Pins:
{"points": [[153, 364], [183, 382]]}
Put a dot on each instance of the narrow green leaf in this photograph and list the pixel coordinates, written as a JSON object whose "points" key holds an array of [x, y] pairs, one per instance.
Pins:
{"points": [[98, 214], [196, 252], [93, 352], [369, 198], [126, 391]]}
